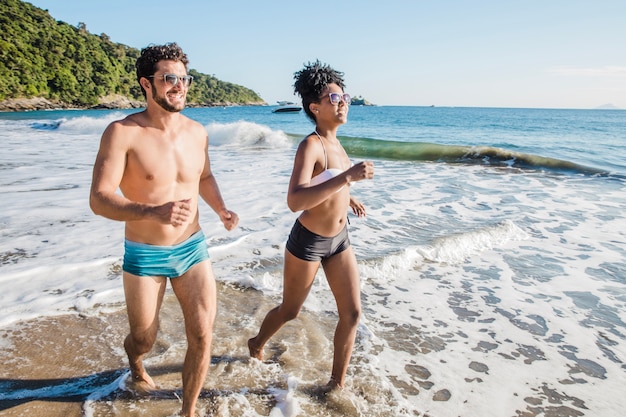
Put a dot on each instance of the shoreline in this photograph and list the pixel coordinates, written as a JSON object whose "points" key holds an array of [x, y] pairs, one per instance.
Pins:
{"points": [[74, 364], [40, 103], [56, 365], [62, 364], [106, 103], [43, 358]]}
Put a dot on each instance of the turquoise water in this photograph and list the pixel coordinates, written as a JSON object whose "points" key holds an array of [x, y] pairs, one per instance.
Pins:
{"points": [[558, 134], [586, 138]]}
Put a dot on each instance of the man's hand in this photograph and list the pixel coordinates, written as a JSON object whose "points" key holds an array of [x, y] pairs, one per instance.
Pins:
{"points": [[229, 218], [176, 213]]}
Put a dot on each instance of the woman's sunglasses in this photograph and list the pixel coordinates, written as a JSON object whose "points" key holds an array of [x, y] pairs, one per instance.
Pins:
{"points": [[335, 98]]}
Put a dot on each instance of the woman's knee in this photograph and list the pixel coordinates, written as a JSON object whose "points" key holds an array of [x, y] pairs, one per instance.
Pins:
{"points": [[351, 316], [289, 313]]}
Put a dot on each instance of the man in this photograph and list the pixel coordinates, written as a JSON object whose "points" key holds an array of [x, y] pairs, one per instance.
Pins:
{"points": [[159, 160]]}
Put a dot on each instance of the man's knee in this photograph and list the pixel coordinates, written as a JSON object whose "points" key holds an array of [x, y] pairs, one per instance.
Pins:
{"points": [[200, 341]]}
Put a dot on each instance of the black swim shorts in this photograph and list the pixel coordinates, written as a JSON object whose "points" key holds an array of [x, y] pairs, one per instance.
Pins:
{"points": [[308, 246]]}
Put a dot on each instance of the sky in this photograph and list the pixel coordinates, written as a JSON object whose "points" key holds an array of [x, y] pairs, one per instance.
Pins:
{"points": [[479, 53]]}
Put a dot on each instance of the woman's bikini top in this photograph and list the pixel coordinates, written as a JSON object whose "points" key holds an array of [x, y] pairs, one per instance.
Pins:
{"points": [[328, 173]]}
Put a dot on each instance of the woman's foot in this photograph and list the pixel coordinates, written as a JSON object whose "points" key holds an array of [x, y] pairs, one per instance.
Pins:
{"points": [[255, 351], [333, 384]]}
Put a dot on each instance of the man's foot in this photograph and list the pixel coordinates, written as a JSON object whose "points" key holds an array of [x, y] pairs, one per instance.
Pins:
{"points": [[141, 383], [255, 351]]}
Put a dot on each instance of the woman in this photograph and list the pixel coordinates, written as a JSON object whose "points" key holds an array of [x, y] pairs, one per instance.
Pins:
{"points": [[320, 188]]}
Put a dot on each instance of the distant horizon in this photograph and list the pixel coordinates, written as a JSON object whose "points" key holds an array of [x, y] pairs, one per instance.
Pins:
{"points": [[606, 107], [612, 107], [600, 108]]}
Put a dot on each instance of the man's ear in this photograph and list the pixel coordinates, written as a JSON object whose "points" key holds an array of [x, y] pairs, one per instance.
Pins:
{"points": [[145, 83]]}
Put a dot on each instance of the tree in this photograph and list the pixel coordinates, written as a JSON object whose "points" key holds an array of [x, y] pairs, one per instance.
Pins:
{"points": [[42, 57]]}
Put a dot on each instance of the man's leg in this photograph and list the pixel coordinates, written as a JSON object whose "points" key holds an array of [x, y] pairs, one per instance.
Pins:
{"points": [[143, 302], [196, 293]]}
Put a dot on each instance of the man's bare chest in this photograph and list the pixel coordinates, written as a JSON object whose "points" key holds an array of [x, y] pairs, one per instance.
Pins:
{"points": [[165, 162]]}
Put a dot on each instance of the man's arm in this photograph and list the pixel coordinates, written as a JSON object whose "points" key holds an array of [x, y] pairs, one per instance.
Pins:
{"points": [[108, 171], [210, 192]]}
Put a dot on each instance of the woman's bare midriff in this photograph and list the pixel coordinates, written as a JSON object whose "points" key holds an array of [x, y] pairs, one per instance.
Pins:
{"points": [[329, 218]]}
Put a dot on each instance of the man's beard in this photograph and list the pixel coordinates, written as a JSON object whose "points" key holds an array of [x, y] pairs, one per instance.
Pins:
{"points": [[162, 101]]}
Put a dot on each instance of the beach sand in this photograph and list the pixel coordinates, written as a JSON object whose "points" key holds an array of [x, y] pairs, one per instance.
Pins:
{"points": [[48, 353], [54, 363], [55, 360]]}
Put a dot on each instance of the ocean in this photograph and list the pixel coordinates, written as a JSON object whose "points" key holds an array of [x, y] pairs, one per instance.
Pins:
{"points": [[492, 261]]}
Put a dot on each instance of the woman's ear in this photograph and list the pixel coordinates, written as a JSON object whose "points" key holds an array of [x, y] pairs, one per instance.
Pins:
{"points": [[314, 108]]}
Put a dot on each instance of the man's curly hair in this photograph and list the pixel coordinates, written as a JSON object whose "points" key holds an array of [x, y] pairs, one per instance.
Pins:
{"points": [[312, 80], [150, 55]]}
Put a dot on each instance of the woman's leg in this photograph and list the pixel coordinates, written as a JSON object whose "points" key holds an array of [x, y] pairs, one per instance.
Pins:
{"points": [[342, 274], [297, 281]]}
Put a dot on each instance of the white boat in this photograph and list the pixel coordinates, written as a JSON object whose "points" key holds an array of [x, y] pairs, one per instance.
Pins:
{"points": [[287, 107]]}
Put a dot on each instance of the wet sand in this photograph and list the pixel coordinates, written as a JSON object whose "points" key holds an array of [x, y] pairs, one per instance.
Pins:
{"points": [[54, 363], [49, 353], [51, 365]]}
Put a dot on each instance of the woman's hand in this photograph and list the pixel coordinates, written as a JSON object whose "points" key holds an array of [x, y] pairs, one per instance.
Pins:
{"points": [[357, 207], [364, 170]]}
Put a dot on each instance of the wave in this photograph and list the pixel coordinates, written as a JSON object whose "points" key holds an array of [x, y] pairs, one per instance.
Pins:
{"points": [[49, 125], [76, 125], [454, 249], [399, 268], [246, 134], [242, 134], [485, 155]]}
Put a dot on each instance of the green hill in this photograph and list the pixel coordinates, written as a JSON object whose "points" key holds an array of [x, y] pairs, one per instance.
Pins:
{"points": [[54, 64]]}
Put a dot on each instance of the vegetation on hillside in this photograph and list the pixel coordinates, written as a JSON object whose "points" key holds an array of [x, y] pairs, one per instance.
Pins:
{"points": [[42, 57]]}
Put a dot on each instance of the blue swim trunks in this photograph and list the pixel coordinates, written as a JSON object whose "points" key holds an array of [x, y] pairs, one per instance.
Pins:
{"points": [[166, 261]]}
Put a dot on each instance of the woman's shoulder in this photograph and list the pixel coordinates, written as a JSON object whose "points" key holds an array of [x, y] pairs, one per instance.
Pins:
{"points": [[308, 138], [309, 142]]}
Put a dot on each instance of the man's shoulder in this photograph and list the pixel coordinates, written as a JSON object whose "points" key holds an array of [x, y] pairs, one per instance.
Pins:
{"points": [[195, 129], [132, 120], [122, 131], [191, 123]]}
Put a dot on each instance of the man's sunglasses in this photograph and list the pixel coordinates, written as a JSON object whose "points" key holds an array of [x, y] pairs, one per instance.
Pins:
{"points": [[173, 79]]}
